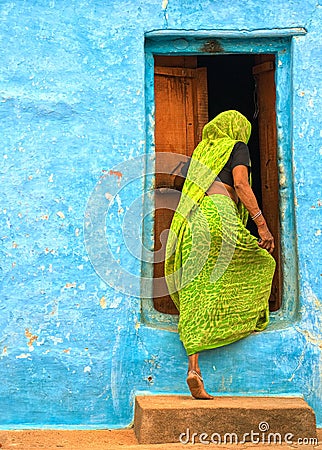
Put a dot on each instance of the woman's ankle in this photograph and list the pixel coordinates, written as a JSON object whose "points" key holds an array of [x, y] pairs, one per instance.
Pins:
{"points": [[195, 369], [193, 363]]}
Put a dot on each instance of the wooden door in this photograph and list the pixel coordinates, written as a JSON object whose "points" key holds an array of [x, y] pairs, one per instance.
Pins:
{"points": [[264, 73], [181, 111]]}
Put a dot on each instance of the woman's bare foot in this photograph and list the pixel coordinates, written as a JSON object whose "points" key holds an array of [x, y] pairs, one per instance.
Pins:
{"points": [[195, 383]]}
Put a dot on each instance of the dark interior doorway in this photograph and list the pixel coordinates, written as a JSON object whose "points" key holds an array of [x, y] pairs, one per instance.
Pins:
{"points": [[231, 85]]}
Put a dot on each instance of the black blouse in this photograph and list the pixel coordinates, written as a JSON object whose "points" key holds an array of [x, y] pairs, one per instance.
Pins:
{"points": [[238, 157]]}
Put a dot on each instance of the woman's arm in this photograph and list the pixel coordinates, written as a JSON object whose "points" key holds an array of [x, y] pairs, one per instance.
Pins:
{"points": [[247, 197]]}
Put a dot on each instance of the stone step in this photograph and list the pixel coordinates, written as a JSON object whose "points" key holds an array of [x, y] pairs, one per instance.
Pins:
{"points": [[227, 420]]}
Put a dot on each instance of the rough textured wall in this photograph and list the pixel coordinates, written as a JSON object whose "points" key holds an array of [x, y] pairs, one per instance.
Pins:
{"points": [[73, 349]]}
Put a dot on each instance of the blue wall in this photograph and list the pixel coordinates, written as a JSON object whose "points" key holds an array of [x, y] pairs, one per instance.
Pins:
{"points": [[76, 126]]}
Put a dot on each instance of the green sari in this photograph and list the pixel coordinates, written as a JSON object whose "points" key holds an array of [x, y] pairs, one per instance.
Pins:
{"points": [[217, 275]]}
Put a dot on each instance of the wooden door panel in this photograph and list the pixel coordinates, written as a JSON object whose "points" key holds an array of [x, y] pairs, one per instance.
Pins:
{"points": [[201, 101], [171, 97], [264, 73], [165, 205], [181, 111]]}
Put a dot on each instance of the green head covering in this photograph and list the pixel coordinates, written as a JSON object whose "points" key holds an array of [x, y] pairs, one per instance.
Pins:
{"points": [[230, 125], [219, 137]]}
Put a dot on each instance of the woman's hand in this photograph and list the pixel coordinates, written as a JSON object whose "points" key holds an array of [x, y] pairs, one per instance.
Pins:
{"points": [[266, 240]]}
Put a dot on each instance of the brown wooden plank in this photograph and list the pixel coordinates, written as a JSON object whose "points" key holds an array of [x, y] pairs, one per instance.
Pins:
{"points": [[263, 67], [170, 115], [175, 61], [266, 93], [163, 218], [191, 116], [202, 102], [175, 72]]}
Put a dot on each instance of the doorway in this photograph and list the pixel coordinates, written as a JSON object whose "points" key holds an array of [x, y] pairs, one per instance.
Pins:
{"points": [[189, 91]]}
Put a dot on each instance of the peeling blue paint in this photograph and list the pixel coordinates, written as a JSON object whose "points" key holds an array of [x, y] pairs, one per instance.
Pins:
{"points": [[75, 92]]}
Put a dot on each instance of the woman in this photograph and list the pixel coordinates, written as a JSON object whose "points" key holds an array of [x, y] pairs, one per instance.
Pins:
{"points": [[219, 275]]}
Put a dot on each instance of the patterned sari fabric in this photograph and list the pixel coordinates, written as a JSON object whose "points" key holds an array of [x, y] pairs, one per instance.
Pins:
{"points": [[217, 275]]}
